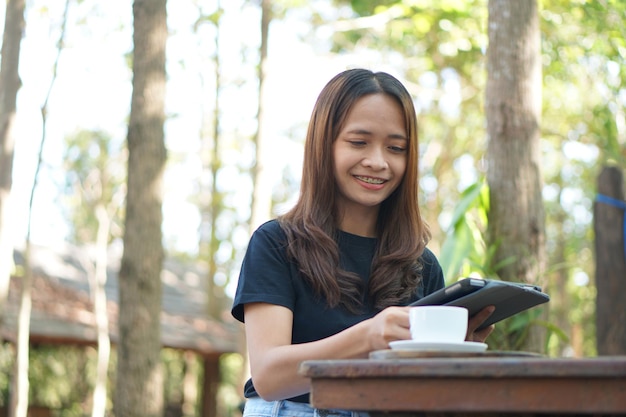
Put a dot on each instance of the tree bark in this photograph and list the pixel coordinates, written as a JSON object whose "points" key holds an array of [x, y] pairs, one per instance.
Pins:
{"points": [[609, 212], [14, 25], [513, 107], [139, 387], [210, 386]]}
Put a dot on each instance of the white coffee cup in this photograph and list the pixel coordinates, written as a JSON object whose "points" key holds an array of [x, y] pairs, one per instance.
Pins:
{"points": [[442, 324]]}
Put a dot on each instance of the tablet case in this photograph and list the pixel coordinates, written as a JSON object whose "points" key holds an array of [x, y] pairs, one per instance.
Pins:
{"points": [[509, 298]]}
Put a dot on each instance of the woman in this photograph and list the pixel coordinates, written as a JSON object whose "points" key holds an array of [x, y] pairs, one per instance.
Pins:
{"points": [[331, 278]]}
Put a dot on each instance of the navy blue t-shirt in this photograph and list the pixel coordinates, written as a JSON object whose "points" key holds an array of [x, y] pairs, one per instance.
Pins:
{"points": [[268, 276]]}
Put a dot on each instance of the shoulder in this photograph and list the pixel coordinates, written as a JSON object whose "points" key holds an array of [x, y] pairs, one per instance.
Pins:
{"points": [[432, 273], [428, 258], [268, 243], [269, 231], [269, 227]]}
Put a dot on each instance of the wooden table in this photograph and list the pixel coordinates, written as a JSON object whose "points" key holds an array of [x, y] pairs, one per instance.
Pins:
{"points": [[462, 386]]}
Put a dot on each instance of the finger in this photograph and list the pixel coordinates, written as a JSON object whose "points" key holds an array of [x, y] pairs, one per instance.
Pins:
{"points": [[481, 335], [479, 318]]}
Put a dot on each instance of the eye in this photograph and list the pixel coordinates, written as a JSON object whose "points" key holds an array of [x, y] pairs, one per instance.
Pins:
{"points": [[357, 142], [397, 149]]}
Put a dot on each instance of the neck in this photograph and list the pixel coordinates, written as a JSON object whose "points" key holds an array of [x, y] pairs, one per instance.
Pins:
{"points": [[359, 222]]}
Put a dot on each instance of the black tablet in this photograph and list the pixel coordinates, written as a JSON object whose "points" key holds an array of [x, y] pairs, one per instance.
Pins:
{"points": [[509, 298]]}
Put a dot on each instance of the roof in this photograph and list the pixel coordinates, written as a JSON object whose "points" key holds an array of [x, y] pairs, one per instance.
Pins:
{"points": [[62, 310]]}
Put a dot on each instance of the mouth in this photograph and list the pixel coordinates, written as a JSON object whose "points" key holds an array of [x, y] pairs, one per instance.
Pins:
{"points": [[370, 180]]}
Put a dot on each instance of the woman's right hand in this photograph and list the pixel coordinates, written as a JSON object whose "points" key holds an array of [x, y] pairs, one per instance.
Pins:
{"points": [[390, 324]]}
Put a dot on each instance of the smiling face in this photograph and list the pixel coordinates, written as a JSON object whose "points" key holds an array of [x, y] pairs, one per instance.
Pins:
{"points": [[370, 156]]}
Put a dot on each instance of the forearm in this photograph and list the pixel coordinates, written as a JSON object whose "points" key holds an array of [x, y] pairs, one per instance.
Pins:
{"points": [[275, 373]]}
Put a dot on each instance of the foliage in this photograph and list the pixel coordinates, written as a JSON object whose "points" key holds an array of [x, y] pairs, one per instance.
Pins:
{"points": [[229, 394], [61, 378], [56, 376], [95, 175], [440, 47], [7, 358], [465, 253], [584, 54], [464, 248]]}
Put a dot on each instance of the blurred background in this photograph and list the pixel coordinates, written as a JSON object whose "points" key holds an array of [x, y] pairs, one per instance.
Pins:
{"points": [[76, 58]]}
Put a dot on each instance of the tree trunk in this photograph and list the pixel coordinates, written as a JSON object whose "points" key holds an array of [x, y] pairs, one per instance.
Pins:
{"points": [[18, 404], [9, 85], [261, 187], [20, 384], [139, 387], [98, 282], [216, 206], [609, 218], [210, 386], [190, 383], [513, 108]]}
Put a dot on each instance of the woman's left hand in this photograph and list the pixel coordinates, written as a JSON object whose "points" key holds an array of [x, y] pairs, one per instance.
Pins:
{"points": [[474, 323]]}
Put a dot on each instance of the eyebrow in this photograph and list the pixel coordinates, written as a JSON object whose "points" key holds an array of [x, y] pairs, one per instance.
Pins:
{"points": [[369, 133]]}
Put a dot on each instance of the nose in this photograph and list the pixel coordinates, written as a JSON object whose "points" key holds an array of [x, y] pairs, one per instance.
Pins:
{"points": [[375, 159]]}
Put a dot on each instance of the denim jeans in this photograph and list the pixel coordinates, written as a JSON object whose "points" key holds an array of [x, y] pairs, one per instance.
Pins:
{"points": [[257, 407]]}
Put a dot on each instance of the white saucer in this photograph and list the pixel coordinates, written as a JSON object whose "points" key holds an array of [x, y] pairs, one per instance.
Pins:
{"points": [[438, 346]]}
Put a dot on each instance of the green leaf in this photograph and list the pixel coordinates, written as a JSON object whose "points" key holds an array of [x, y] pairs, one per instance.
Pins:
{"points": [[469, 198]]}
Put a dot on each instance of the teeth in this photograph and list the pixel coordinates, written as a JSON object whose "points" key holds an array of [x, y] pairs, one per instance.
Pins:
{"points": [[370, 180]]}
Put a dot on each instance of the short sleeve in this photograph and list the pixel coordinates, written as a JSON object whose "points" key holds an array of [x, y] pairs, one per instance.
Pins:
{"points": [[265, 274]]}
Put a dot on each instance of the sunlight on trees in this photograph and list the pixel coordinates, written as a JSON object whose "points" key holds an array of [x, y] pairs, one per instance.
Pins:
{"points": [[438, 49]]}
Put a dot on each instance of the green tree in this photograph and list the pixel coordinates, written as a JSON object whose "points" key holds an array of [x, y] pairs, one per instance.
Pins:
{"points": [[95, 182], [583, 130], [443, 44]]}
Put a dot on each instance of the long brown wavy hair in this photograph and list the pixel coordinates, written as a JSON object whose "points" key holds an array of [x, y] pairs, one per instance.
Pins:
{"points": [[311, 226]]}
